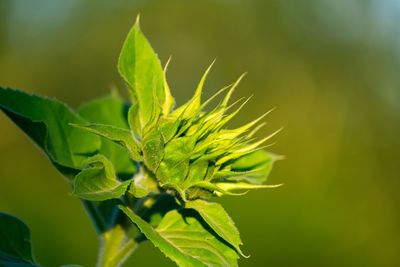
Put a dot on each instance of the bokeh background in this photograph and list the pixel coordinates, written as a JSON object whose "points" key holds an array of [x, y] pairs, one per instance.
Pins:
{"points": [[330, 67]]}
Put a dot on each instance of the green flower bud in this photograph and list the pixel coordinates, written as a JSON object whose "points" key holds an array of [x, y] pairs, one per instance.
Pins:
{"points": [[189, 152]]}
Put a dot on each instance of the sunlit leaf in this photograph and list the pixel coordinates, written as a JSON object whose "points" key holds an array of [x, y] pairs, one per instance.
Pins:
{"points": [[260, 162], [185, 239], [140, 67], [143, 184], [168, 128], [193, 105], [169, 101], [197, 172], [153, 149], [98, 182], [110, 110], [120, 136], [175, 164], [219, 220], [235, 186]]}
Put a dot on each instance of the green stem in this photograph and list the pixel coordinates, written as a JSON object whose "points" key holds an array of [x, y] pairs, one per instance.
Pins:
{"points": [[125, 251], [115, 247]]}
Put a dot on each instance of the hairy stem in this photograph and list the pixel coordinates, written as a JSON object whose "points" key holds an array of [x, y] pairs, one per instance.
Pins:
{"points": [[115, 247], [124, 252]]}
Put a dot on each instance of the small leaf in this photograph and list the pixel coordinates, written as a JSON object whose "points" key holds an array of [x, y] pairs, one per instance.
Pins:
{"points": [[232, 88], [47, 121], [216, 189], [110, 110], [260, 162], [141, 69], [183, 238], [99, 182], [197, 172], [153, 149], [120, 136], [168, 128], [219, 220], [169, 101], [175, 165], [190, 109], [133, 120], [233, 186], [143, 184], [15, 243], [234, 133], [137, 192]]}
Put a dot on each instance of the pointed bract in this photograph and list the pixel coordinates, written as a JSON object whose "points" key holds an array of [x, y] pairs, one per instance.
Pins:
{"points": [[141, 69]]}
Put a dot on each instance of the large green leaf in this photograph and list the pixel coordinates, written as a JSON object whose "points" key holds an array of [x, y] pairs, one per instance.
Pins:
{"points": [[15, 243], [184, 238], [98, 182], [111, 110], [219, 220], [46, 121], [140, 67]]}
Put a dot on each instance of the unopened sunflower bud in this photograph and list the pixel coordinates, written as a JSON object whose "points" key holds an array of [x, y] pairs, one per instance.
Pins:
{"points": [[189, 150]]}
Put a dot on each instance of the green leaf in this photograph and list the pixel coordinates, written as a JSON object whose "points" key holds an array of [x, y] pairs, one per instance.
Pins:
{"points": [[168, 128], [169, 101], [185, 239], [175, 165], [197, 172], [258, 163], [110, 110], [219, 220], [133, 120], [46, 121], [141, 69], [234, 186], [120, 136], [15, 243], [153, 149], [99, 182], [190, 108], [143, 183], [215, 188]]}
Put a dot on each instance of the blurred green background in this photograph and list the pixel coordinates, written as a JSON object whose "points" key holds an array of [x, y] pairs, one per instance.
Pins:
{"points": [[331, 67]]}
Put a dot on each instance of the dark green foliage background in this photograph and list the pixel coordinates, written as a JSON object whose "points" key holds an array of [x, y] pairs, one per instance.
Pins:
{"points": [[330, 67]]}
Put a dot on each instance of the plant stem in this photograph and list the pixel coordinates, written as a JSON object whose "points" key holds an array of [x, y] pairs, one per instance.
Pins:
{"points": [[115, 247], [127, 249]]}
